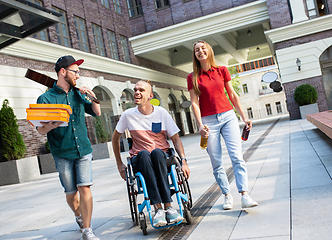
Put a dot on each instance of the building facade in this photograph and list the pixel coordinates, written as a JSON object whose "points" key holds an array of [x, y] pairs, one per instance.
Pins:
{"points": [[124, 41]]}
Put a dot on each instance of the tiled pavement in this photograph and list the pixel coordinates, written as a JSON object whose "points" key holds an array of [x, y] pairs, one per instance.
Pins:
{"points": [[289, 176]]}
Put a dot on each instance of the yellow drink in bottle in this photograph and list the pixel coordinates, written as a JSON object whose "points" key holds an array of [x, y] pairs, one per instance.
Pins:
{"points": [[204, 141]]}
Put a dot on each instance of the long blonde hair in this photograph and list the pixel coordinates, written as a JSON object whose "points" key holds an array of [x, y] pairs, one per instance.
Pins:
{"points": [[197, 66]]}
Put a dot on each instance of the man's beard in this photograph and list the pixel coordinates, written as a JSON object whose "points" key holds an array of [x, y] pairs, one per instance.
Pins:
{"points": [[70, 81]]}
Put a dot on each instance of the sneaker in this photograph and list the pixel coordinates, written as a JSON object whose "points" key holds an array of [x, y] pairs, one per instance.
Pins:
{"points": [[248, 202], [172, 215], [88, 234], [79, 221], [228, 202], [159, 218]]}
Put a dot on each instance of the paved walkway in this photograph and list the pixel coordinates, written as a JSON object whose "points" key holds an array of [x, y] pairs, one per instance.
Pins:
{"points": [[289, 176]]}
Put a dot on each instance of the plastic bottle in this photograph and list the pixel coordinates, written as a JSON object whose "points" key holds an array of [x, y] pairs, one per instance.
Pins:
{"points": [[245, 133], [204, 141]]}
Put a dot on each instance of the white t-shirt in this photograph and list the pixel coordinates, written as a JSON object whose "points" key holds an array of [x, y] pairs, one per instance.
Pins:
{"points": [[147, 131]]}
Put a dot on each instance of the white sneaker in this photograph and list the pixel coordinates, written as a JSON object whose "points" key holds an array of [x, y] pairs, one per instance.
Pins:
{"points": [[248, 202], [159, 219], [172, 215], [228, 202], [88, 234]]}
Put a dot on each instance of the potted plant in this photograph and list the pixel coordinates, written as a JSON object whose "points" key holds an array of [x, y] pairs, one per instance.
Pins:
{"points": [[46, 161], [306, 97], [101, 150], [13, 167]]}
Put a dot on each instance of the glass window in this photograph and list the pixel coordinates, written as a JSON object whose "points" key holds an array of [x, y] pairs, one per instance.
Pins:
{"points": [[245, 88], [105, 3], [117, 6], [62, 29], [250, 114], [268, 109], [135, 8], [278, 106], [42, 35], [112, 43], [98, 39], [125, 49], [81, 34], [317, 8], [161, 4]]}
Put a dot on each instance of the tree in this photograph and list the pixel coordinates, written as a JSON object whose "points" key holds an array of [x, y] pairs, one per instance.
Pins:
{"points": [[102, 135], [12, 144], [235, 80]]}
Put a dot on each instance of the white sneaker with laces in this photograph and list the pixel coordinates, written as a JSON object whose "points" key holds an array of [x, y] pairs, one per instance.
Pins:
{"points": [[88, 234], [159, 219], [248, 202], [228, 202], [172, 216]]}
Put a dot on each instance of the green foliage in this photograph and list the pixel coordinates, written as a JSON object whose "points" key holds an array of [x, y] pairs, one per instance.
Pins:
{"points": [[305, 94], [236, 85], [47, 147], [12, 144], [235, 80], [102, 135]]}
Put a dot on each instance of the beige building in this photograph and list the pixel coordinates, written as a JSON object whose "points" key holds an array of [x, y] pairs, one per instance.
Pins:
{"points": [[258, 100]]}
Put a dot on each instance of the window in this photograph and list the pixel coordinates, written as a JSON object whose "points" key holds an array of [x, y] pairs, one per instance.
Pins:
{"points": [[268, 109], [135, 8], [245, 88], [62, 29], [112, 43], [250, 114], [105, 3], [81, 34], [42, 35], [98, 39], [117, 6], [278, 106], [161, 4], [316, 8], [125, 50]]}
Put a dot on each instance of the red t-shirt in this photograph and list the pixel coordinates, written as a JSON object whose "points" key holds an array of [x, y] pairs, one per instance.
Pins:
{"points": [[211, 83]]}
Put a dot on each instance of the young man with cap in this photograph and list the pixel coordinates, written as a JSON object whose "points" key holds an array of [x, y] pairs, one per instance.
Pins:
{"points": [[148, 126], [70, 146]]}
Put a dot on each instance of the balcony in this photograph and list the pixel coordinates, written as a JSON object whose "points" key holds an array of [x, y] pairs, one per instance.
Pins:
{"points": [[265, 91]]}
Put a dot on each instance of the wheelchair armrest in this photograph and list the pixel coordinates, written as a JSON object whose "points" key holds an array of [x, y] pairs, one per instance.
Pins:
{"points": [[171, 152]]}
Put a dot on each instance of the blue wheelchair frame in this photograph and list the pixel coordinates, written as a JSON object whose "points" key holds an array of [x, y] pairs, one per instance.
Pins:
{"points": [[136, 209]]}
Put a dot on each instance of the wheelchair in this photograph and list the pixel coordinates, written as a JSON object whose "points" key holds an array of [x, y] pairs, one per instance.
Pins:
{"points": [[137, 191]]}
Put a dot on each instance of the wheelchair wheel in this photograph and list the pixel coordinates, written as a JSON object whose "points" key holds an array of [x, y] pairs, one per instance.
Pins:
{"points": [[142, 223], [185, 189], [187, 216], [132, 195]]}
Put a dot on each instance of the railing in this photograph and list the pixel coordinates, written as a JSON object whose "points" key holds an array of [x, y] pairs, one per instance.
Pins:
{"points": [[265, 91], [262, 113]]}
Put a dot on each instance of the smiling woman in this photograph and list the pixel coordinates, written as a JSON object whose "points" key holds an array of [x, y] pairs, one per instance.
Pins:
{"points": [[215, 117]]}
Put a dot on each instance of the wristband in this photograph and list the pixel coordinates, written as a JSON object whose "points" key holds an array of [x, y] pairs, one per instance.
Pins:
{"points": [[184, 159]]}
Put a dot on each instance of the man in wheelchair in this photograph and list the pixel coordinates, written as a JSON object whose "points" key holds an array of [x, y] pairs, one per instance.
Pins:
{"points": [[148, 126]]}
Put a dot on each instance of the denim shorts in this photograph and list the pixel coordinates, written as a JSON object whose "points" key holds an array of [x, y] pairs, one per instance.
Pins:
{"points": [[74, 173]]}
